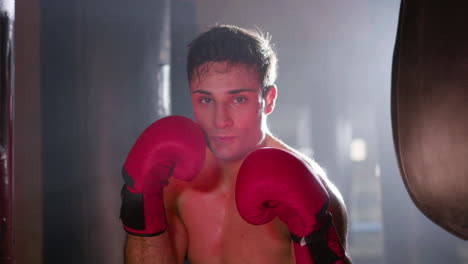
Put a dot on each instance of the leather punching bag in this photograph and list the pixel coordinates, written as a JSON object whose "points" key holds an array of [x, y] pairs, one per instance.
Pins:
{"points": [[430, 109]]}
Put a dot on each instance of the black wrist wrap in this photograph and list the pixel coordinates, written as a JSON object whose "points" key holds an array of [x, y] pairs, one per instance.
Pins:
{"points": [[317, 243]]}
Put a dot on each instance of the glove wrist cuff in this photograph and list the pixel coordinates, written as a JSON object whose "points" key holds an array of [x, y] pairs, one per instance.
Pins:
{"points": [[142, 215], [323, 243], [136, 233], [316, 235]]}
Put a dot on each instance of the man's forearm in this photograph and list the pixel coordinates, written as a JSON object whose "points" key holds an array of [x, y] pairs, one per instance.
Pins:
{"points": [[149, 250]]}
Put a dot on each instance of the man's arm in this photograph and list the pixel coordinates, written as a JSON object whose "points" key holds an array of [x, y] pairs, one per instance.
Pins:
{"points": [[173, 146], [146, 250], [167, 248], [340, 217], [338, 209], [337, 205], [273, 182]]}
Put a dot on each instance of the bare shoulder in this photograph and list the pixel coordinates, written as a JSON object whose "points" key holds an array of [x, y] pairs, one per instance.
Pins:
{"points": [[274, 142], [337, 206]]}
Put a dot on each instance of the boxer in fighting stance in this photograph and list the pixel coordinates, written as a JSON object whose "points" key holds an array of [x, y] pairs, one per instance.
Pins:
{"points": [[244, 198]]}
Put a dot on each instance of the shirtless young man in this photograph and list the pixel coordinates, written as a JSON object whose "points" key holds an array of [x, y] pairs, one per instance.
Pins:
{"points": [[231, 73]]}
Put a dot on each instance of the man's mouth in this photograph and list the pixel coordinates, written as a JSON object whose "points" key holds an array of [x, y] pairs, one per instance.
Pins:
{"points": [[223, 139]]}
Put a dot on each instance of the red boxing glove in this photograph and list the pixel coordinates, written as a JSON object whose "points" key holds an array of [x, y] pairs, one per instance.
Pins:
{"points": [[171, 146], [273, 182]]}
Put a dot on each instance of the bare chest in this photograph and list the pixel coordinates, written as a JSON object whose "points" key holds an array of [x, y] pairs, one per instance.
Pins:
{"points": [[217, 233]]}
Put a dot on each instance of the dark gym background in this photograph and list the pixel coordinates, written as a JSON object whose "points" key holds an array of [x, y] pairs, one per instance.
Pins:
{"points": [[91, 74]]}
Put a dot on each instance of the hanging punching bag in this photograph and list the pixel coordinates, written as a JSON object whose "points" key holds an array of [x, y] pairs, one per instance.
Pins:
{"points": [[430, 109], [6, 115]]}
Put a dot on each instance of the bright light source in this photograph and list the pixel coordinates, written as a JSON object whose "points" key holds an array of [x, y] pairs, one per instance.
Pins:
{"points": [[358, 150]]}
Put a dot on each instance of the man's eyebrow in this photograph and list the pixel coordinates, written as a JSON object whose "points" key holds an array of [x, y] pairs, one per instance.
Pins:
{"points": [[202, 92], [229, 92], [241, 90]]}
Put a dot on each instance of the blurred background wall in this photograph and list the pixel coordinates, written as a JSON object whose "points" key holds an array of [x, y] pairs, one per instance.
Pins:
{"points": [[91, 74]]}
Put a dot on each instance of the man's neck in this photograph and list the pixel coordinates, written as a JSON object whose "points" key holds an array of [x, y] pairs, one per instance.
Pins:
{"points": [[230, 168]]}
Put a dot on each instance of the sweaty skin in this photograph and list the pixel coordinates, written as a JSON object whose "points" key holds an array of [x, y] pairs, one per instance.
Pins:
{"points": [[203, 222], [211, 230]]}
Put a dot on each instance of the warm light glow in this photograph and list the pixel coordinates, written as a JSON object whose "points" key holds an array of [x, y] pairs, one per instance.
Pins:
{"points": [[358, 150]]}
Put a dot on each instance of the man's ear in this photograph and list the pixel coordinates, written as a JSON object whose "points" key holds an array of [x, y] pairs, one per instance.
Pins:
{"points": [[270, 99]]}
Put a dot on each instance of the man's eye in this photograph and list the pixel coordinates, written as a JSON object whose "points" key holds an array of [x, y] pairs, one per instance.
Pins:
{"points": [[240, 99], [205, 100]]}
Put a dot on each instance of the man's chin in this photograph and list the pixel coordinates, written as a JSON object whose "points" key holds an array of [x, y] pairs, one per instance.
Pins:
{"points": [[228, 155], [230, 152]]}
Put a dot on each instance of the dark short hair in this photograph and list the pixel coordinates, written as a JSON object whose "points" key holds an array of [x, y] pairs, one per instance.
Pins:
{"points": [[236, 46]]}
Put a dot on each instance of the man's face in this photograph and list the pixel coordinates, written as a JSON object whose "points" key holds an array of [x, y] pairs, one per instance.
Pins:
{"points": [[228, 105]]}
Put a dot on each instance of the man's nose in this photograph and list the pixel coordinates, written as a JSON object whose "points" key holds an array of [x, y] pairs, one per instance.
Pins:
{"points": [[222, 117]]}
